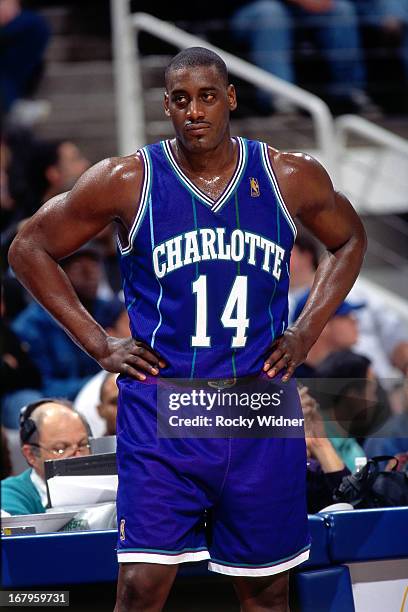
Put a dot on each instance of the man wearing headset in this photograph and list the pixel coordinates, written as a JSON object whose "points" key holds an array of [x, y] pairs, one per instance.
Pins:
{"points": [[49, 429]]}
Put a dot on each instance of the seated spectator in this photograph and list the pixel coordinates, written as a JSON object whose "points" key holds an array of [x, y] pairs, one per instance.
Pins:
{"points": [[325, 469], [49, 429], [268, 26], [350, 402], [340, 332], [24, 38], [31, 172], [20, 378], [55, 167], [108, 403], [384, 30], [64, 367], [38, 170], [382, 334]]}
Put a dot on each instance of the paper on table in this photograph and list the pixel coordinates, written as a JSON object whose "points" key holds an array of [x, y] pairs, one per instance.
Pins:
{"points": [[48, 522], [74, 490]]}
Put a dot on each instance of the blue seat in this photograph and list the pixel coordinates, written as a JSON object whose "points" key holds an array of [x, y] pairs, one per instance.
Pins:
{"points": [[364, 535], [325, 590], [57, 558]]}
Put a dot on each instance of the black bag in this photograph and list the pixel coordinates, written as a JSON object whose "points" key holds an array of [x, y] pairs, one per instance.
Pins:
{"points": [[372, 488]]}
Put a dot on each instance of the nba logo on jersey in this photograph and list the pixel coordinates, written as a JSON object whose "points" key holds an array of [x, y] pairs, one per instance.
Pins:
{"points": [[122, 529], [255, 193]]}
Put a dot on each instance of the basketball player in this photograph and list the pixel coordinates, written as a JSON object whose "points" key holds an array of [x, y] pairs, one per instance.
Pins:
{"points": [[206, 227]]}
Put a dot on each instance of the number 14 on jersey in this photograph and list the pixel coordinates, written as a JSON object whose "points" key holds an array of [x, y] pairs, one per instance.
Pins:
{"points": [[235, 304]]}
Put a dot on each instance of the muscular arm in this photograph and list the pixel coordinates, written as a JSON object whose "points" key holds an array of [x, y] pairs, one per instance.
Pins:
{"points": [[106, 192], [309, 195]]}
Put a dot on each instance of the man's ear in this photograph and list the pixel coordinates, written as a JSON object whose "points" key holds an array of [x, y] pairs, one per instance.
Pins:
{"points": [[232, 97], [166, 104], [29, 454]]}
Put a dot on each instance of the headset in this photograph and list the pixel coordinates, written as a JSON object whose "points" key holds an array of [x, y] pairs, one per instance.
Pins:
{"points": [[28, 426]]}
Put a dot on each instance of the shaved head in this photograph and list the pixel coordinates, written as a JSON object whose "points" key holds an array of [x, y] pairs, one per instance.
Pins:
{"points": [[194, 57]]}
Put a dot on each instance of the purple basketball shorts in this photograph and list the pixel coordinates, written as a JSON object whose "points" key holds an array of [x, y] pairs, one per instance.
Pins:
{"points": [[252, 489]]}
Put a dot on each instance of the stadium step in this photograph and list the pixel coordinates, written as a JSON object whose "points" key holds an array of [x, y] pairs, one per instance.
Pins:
{"points": [[78, 48], [71, 77]]}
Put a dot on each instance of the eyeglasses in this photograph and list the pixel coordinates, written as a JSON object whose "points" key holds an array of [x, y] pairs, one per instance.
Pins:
{"points": [[71, 449]]}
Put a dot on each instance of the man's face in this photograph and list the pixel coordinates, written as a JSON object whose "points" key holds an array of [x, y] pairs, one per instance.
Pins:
{"points": [[70, 166], [108, 406], [62, 429], [199, 102], [85, 273]]}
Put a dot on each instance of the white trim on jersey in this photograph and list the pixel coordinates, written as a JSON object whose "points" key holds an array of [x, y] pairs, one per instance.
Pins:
{"points": [[159, 299], [144, 198], [184, 179], [230, 570], [215, 205], [146, 557], [271, 174], [242, 155]]}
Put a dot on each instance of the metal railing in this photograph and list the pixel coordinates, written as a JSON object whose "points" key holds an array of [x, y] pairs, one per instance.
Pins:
{"points": [[330, 134], [131, 120], [392, 301], [347, 124], [375, 174]]}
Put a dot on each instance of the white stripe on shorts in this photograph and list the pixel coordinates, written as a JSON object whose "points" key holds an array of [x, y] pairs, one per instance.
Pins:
{"points": [[145, 557], [230, 570]]}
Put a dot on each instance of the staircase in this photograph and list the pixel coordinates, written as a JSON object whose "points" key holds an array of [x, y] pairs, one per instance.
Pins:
{"points": [[80, 86]]}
